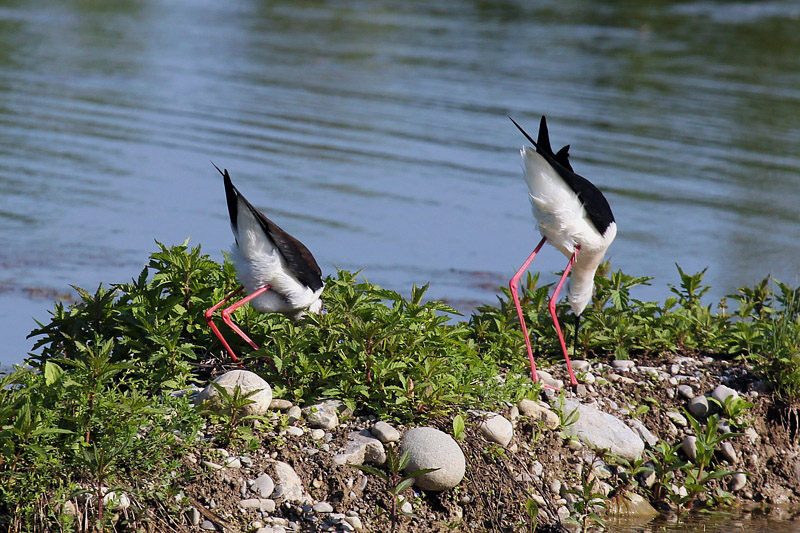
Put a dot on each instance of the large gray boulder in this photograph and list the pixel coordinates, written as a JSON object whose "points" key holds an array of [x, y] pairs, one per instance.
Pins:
{"points": [[430, 448], [247, 382], [603, 431]]}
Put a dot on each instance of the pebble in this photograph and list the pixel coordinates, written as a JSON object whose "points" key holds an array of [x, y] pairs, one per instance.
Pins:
{"points": [[622, 364], [294, 413], [497, 429], [232, 462], [686, 391], [738, 482], [317, 434], [698, 406], [728, 452], [294, 431], [677, 418], [355, 522], [208, 525], [689, 447], [279, 404], [385, 432], [538, 412], [322, 507], [580, 365], [430, 448], [263, 485], [721, 393]]}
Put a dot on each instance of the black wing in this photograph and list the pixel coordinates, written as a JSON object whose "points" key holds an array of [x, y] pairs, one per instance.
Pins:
{"points": [[593, 201], [298, 258]]}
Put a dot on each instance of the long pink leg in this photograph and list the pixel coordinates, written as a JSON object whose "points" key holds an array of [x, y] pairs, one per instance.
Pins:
{"points": [[513, 284], [215, 329], [552, 306], [226, 314], [226, 317]]}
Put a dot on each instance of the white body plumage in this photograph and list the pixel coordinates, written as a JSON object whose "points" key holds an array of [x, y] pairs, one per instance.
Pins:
{"points": [[564, 222], [259, 262]]}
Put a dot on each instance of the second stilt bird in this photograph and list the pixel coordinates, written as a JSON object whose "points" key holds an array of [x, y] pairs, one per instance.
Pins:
{"points": [[575, 217], [276, 270]]}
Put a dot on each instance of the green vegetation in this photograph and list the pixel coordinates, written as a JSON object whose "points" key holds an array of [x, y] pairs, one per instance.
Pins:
{"points": [[94, 409], [396, 481]]}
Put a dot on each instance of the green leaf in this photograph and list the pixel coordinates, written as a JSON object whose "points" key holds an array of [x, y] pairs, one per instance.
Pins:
{"points": [[52, 372]]}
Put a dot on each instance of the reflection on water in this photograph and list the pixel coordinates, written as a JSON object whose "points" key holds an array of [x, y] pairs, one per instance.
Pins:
{"points": [[776, 520], [376, 132]]}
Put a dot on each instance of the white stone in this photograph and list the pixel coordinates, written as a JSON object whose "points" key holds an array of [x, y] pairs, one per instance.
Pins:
{"points": [[604, 431], [430, 448], [263, 485], [247, 382], [116, 500], [355, 522], [294, 431], [698, 406], [321, 416], [385, 432], [645, 434], [538, 413], [580, 365], [497, 429], [738, 482], [677, 418], [728, 452], [289, 483], [362, 447], [721, 393], [689, 447], [317, 434], [322, 507]]}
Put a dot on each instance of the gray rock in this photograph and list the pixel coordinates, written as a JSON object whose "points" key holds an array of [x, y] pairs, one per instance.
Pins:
{"points": [[430, 448], [603, 431], [698, 406], [116, 500], [232, 462], [497, 429], [622, 364], [580, 365], [193, 516], [247, 382], [645, 434], [752, 435], [322, 507], [320, 417], [208, 525], [263, 485], [737, 482], [294, 413], [279, 404], [261, 504], [362, 447], [317, 434], [539, 413], [721, 393], [355, 522], [288, 483], [677, 419], [632, 505], [686, 391], [728, 452], [294, 431], [385, 432], [555, 384], [689, 447]]}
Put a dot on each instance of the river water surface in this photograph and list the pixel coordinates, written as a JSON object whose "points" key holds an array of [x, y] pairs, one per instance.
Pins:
{"points": [[376, 132]]}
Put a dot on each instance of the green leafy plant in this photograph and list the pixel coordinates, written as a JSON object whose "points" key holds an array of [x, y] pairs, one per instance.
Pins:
{"points": [[397, 482]]}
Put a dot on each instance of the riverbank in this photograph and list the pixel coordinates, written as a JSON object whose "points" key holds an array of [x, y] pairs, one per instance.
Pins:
{"points": [[679, 408]]}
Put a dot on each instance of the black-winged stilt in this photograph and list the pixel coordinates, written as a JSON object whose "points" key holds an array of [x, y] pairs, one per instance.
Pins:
{"points": [[276, 270], [575, 217]]}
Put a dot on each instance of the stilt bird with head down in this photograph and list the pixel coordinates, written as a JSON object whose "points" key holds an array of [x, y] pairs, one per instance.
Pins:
{"points": [[276, 270], [574, 216]]}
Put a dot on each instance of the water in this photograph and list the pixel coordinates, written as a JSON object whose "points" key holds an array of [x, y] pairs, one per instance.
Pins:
{"points": [[376, 132]]}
